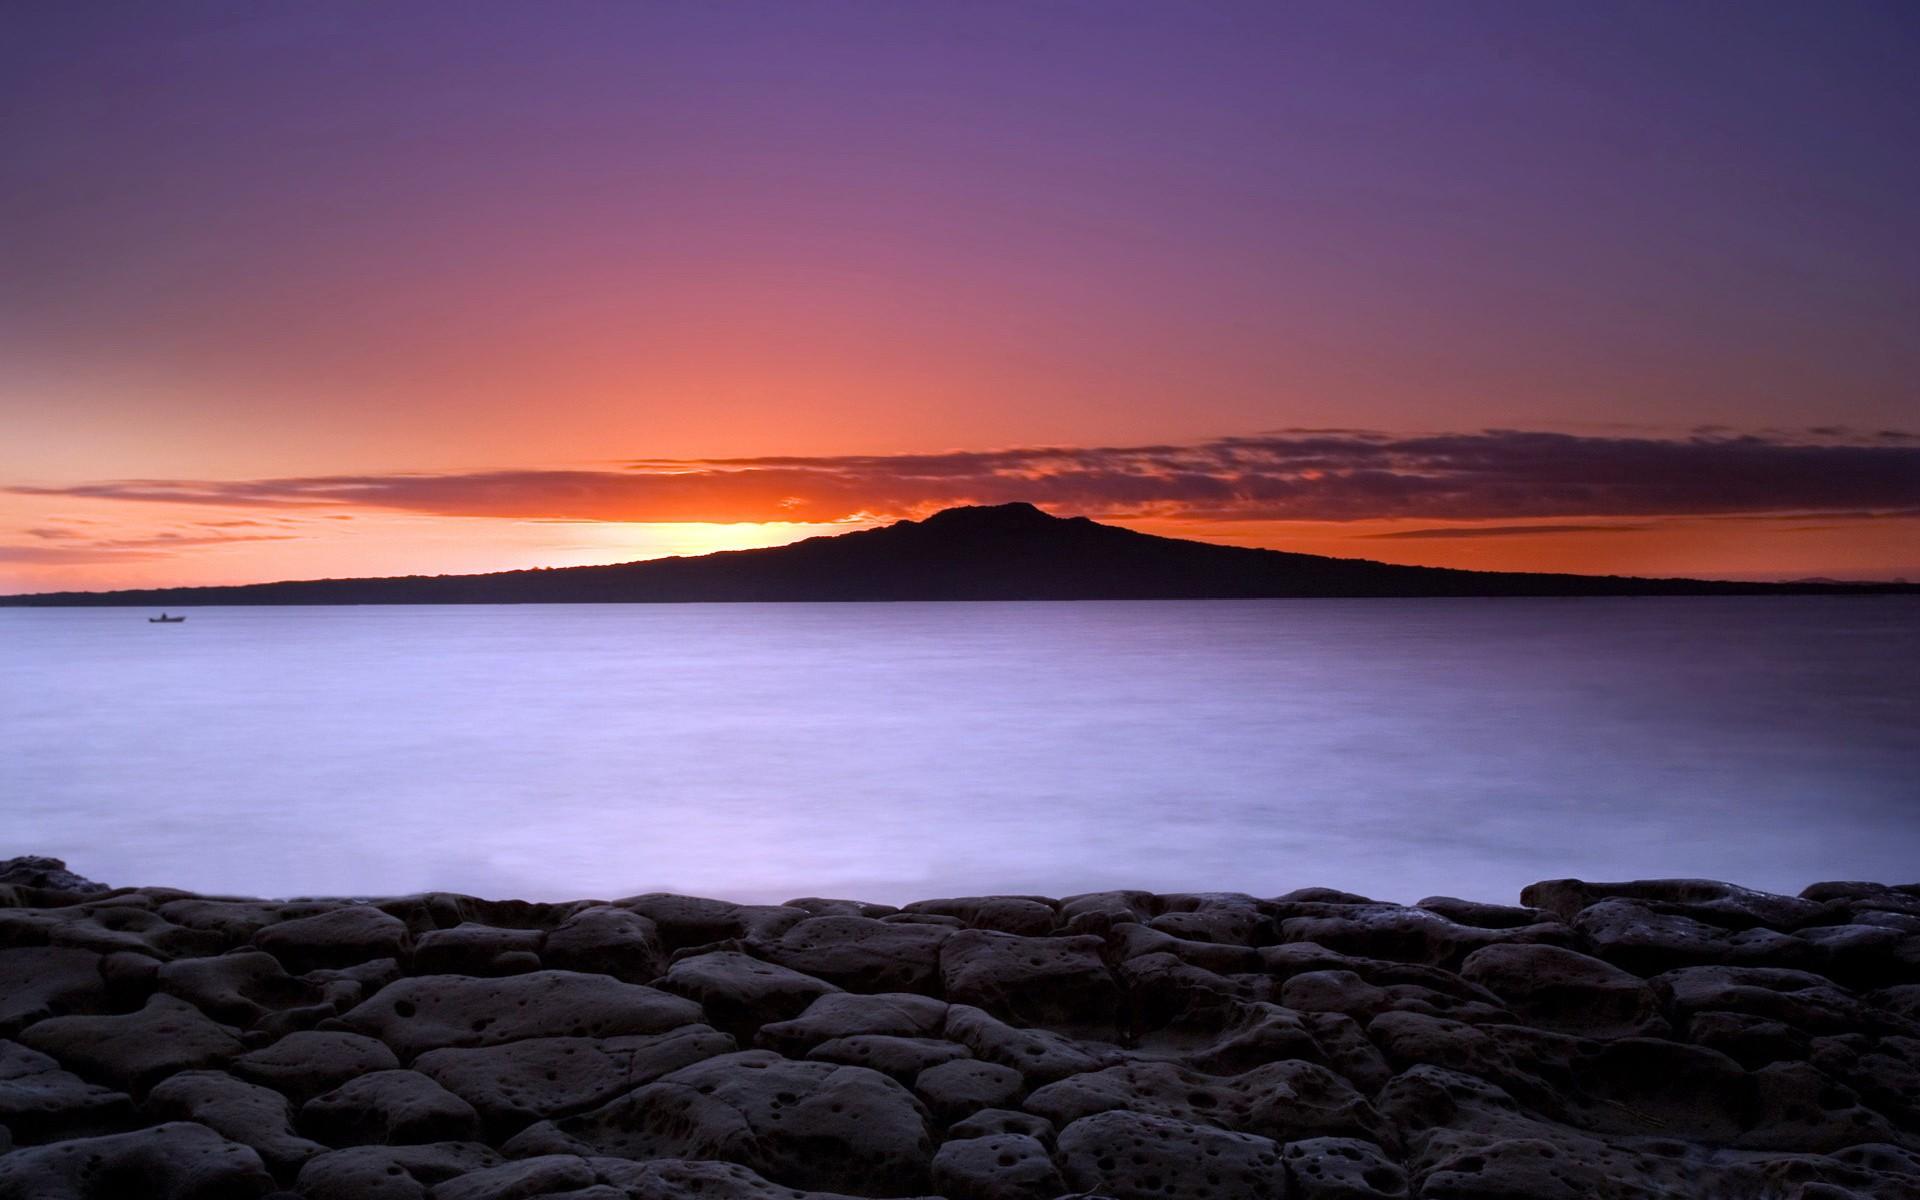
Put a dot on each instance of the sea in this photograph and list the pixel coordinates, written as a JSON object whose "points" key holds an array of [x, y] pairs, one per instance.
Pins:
{"points": [[890, 752]]}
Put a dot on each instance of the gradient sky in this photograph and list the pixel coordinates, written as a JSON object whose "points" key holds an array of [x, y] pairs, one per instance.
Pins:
{"points": [[296, 289]]}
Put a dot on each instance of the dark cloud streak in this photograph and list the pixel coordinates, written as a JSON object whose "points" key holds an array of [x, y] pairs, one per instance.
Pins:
{"points": [[1492, 475]]}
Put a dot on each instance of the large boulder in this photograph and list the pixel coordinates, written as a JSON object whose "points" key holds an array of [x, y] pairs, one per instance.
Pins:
{"points": [[137, 1049], [434, 1011], [242, 1112], [339, 937], [304, 1064], [605, 940], [1136, 1156], [176, 1161], [850, 1014], [862, 954], [37, 982], [390, 1108], [1003, 1166], [40, 1102], [517, 1083], [1031, 980], [740, 993], [810, 1125], [390, 1172], [1562, 990]]}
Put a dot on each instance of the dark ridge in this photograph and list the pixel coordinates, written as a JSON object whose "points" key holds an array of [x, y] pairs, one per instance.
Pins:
{"points": [[1001, 552]]}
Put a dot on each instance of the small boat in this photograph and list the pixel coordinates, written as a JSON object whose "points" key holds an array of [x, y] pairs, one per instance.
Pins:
{"points": [[164, 619]]}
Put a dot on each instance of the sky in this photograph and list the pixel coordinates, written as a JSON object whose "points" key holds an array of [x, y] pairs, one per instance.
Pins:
{"points": [[293, 290]]}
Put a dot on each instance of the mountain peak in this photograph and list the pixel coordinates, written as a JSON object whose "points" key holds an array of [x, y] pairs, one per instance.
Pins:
{"points": [[1015, 515]]}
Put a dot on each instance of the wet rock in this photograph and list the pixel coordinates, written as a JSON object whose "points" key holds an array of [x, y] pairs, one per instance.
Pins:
{"points": [[740, 993], [1750, 1041], [1026, 916], [1281, 1100], [1342, 1169], [302, 1065], [1568, 992], [1402, 934], [952, 1090], [41, 1102], [337, 938], [1799, 1107], [862, 955], [515, 1084], [1134, 1156], [37, 982], [605, 940], [434, 1011], [473, 949], [176, 1161], [104, 927], [848, 1014], [812, 1125], [389, 1108], [241, 1112], [1003, 1166], [902, 1058], [1030, 981], [581, 1177], [390, 1172], [136, 1049]]}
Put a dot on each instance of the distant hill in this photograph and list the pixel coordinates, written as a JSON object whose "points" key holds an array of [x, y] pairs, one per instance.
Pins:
{"points": [[1004, 552]]}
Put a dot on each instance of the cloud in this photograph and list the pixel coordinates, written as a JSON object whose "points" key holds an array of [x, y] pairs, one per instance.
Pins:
{"points": [[1481, 531], [1310, 475]]}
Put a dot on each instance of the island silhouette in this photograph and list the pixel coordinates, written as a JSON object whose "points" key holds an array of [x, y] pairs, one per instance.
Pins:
{"points": [[986, 552]]}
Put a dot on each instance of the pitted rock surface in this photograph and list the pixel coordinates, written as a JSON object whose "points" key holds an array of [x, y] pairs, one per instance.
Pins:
{"points": [[1599, 1041]]}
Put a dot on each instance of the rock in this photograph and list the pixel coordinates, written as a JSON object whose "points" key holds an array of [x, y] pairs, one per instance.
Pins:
{"points": [[241, 1112], [46, 874], [810, 1125], [1342, 1169], [1023, 915], [1279, 1101], [137, 1049], [605, 940], [1561, 990], [177, 1161], [861, 954], [1040, 1055], [849, 1014], [1030, 981], [390, 1108], [1723, 904], [1134, 1156], [390, 1172], [339, 937], [956, 1089], [515, 1084], [237, 989], [1797, 998], [1410, 935], [37, 982], [435, 1011], [1485, 916], [302, 1065], [684, 921], [1002, 1120], [902, 1058], [39, 1102], [105, 926], [579, 1177], [740, 993], [1631, 935], [1003, 1166], [474, 949]]}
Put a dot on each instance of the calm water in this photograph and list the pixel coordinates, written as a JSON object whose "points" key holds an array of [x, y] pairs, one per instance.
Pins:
{"points": [[894, 752]]}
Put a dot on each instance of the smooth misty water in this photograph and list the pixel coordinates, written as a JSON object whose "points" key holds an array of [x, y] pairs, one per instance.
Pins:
{"points": [[892, 752]]}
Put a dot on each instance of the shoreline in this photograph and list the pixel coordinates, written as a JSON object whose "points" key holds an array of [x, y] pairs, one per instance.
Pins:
{"points": [[1596, 1040]]}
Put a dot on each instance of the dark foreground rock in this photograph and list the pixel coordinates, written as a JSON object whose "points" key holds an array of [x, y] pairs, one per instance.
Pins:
{"points": [[1598, 1041]]}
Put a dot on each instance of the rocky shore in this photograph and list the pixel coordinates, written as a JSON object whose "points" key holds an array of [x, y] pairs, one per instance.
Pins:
{"points": [[1668, 1038]]}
